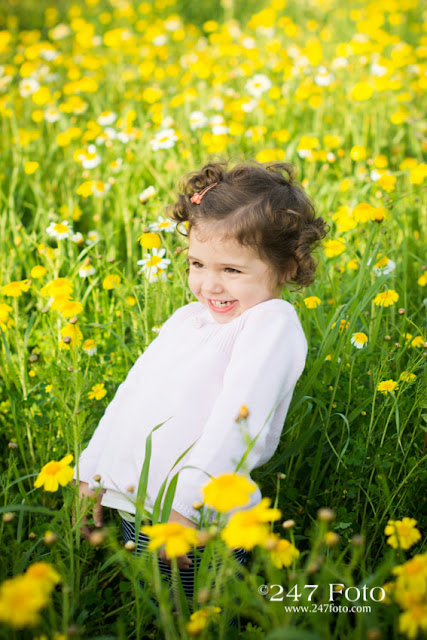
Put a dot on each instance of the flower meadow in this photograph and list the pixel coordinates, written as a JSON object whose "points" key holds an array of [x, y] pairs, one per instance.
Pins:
{"points": [[104, 105]]}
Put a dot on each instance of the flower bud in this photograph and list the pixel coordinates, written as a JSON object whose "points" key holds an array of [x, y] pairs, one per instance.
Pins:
{"points": [[97, 478], [97, 537], [358, 540], [130, 545], [8, 516], [66, 339], [324, 514], [243, 413], [288, 524], [203, 595], [331, 538], [401, 312], [50, 538], [12, 445], [197, 505], [73, 320]]}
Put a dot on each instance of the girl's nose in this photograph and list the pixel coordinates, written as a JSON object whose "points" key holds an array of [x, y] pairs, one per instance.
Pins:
{"points": [[211, 284]]}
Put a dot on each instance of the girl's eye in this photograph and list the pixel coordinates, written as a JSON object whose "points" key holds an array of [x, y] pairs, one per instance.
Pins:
{"points": [[231, 270], [196, 264]]}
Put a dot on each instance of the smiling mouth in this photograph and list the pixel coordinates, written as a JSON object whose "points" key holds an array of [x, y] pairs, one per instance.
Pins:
{"points": [[221, 303]]}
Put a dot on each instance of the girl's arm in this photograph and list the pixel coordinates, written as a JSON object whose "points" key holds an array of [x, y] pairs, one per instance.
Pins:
{"points": [[267, 359]]}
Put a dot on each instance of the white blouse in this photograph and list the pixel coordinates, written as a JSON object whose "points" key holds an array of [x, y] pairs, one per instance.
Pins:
{"points": [[196, 375]]}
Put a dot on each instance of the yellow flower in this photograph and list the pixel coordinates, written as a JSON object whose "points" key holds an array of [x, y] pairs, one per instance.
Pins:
{"points": [[407, 376], [58, 288], [414, 620], [98, 392], [333, 247], [249, 527], [89, 346], [412, 576], [55, 473], [149, 240], [422, 280], [361, 91], [353, 265], [284, 554], [38, 272], [358, 152], [387, 385], [387, 182], [363, 212], [386, 298], [359, 340], [31, 167], [45, 574], [418, 174], [418, 341], [5, 321], [199, 619], [177, 538], [402, 533], [68, 308], [111, 281], [312, 302], [21, 601], [16, 288], [131, 301], [73, 332], [331, 538], [227, 492]]}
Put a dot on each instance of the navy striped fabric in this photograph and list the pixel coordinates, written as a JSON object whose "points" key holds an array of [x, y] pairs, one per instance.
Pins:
{"points": [[187, 575]]}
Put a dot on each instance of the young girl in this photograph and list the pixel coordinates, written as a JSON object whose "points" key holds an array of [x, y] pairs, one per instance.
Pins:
{"points": [[251, 230]]}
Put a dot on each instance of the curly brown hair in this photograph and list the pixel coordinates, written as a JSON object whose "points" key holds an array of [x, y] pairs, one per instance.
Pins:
{"points": [[259, 207]]}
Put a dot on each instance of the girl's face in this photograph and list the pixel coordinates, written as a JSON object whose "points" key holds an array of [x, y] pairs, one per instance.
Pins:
{"points": [[223, 271]]}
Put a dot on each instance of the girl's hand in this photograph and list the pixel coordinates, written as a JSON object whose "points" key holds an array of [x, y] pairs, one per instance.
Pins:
{"points": [[183, 562], [98, 509]]}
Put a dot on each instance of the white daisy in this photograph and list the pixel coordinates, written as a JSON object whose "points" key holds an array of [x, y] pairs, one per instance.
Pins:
{"points": [[339, 63], [160, 40], [106, 118], [59, 32], [382, 266], [90, 159], [77, 238], [359, 340], [59, 230], [249, 105], [173, 24], [197, 120], [100, 188], [28, 86], [257, 85], [248, 43], [219, 130], [153, 262], [51, 114], [146, 194], [167, 122], [93, 236], [216, 103], [323, 78], [163, 224], [164, 139], [86, 270]]}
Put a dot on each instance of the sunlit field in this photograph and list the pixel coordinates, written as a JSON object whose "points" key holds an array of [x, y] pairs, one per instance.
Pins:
{"points": [[104, 105]]}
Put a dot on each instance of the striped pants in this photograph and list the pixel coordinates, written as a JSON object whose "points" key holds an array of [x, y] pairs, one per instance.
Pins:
{"points": [[186, 575]]}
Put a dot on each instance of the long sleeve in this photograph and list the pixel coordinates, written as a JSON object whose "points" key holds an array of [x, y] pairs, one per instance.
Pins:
{"points": [[116, 413], [267, 359]]}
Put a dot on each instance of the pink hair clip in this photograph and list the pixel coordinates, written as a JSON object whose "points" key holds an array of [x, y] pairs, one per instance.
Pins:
{"points": [[197, 197]]}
